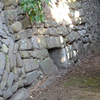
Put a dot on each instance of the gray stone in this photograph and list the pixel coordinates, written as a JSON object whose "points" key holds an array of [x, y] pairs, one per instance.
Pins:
{"points": [[3, 33], [32, 76], [48, 23], [70, 38], [39, 53], [62, 30], [2, 61], [41, 42], [19, 17], [1, 98], [0, 79], [34, 31], [11, 2], [40, 25], [86, 47], [75, 55], [82, 33], [6, 29], [52, 31], [30, 64], [32, 54], [19, 61], [0, 93], [4, 80], [79, 47], [25, 44], [14, 60], [74, 5], [14, 87], [55, 24], [16, 46], [16, 27], [48, 67], [34, 42], [42, 31], [23, 73], [4, 49], [23, 34], [53, 42], [15, 71], [81, 12], [19, 71], [69, 52], [42, 53], [1, 24], [10, 43], [4, 17], [20, 82], [1, 71], [10, 79], [0, 44], [24, 54], [1, 6], [7, 66], [95, 46], [26, 23], [71, 14], [8, 93], [80, 20], [21, 94], [11, 14]]}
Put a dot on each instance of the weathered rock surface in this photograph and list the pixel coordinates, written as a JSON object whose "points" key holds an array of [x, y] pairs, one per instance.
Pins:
{"points": [[25, 44], [4, 49], [16, 27], [2, 61], [10, 79], [23, 34], [21, 94], [19, 60], [48, 67], [32, 76], [30, 64], [8, 93], [4, 80], [11, 2]]}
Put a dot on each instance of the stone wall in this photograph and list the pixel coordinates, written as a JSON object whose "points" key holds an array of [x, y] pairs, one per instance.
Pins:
{"points": [[30, 52]]}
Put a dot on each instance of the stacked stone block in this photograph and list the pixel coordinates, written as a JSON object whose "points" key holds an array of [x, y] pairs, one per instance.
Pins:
{"points": [[29, 51]]}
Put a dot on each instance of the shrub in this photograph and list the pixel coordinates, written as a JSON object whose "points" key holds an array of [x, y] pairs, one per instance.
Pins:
{"points": [[34, 9]]}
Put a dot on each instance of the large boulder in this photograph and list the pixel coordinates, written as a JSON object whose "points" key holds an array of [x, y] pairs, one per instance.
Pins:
{"points": [[48, 67], [30, 64], [21, 94], [16, 27], [31, 77]]}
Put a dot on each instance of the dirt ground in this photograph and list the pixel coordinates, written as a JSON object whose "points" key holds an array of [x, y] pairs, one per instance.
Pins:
{"points": [[81, 83]]}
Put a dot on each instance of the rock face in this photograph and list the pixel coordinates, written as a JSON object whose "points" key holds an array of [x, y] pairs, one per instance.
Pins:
{"points": [[29, 51], [48, 67], [11, 2], [21, 94], [30, 64], [16, 27], [2, 61], [10, 79], [8, 93], [32, 76]]}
